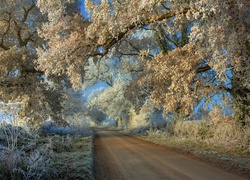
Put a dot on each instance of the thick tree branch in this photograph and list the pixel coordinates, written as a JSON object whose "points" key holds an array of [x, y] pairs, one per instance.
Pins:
{"points": [[164, 6], [14, 83], [203, 69], [112, 41], [22, 42], [33, 71], [126, 54], [3, 46], [134, 47], [109, 83], [26, 12], [5, 33]]}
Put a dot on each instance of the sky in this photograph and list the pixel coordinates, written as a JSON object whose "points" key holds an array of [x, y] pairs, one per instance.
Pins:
{"points": [[85, 14], [89, 90]]}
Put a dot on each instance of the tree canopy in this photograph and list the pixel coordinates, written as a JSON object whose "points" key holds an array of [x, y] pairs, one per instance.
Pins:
{"points": [[177, 53], [20, 80]]}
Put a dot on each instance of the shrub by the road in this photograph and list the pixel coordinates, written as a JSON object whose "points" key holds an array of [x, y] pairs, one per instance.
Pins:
{"points": [[51, 153]]}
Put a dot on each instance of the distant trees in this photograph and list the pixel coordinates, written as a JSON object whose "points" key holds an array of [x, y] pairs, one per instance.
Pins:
{"points": [[73, 105], [111, 101]]}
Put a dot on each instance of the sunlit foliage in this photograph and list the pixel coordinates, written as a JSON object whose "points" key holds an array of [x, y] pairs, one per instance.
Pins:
{"points": [[204, 46], [178, 53]]}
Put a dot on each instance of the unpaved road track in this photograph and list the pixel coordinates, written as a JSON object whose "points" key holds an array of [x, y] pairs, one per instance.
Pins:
{"points": [[119, 157]]}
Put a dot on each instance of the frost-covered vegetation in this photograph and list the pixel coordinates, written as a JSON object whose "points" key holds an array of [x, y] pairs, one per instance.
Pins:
{"points": [[217, 140], [214, 130], [156, 58], [52, 152], [51, 129], [229, 136]]}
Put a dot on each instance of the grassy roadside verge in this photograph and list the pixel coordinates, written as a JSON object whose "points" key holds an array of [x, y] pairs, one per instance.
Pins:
{"points": [[65, 154], [232, 161], [77, 162]]}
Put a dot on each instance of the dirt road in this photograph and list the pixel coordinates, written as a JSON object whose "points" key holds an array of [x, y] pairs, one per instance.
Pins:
{"points": [[119, 157]]}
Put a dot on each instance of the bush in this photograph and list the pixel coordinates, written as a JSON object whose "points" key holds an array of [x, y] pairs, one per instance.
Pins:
{"points": [[25, 155], [227, 135], [37, 166], [139, 130], [19, 158], [50, 128]]}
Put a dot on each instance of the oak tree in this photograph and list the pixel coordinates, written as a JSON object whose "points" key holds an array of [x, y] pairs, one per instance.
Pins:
{"points": [[201, 48], [20, 80]]}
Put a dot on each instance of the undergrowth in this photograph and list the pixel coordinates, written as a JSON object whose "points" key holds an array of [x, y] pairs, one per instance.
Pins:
{"points": [[51, 153]]}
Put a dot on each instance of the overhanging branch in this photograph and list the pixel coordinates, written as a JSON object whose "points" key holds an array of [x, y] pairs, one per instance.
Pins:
{"points": [[112, 41], [203, 69]]}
